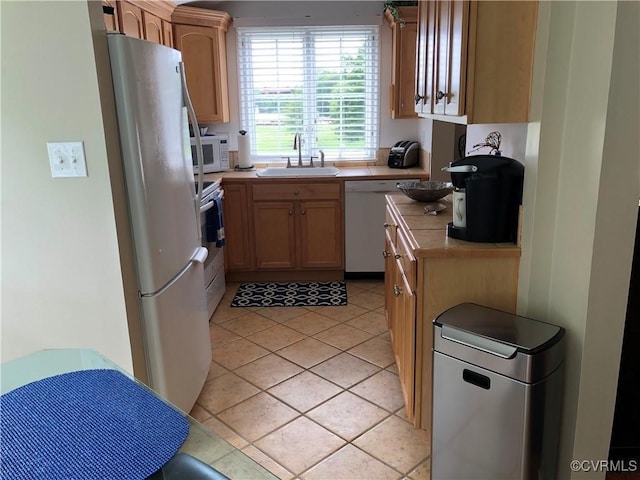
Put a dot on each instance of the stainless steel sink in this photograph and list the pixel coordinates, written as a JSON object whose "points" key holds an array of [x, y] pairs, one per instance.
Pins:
{"points": [[298, 172]]}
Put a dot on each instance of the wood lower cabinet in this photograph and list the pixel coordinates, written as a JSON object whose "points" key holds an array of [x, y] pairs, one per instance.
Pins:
{"points": [[298, 226], [321, 234], [425, 274], [236, 217], [200, 35], [284, 231], [275, 234], [400, 310], [475, 60]]}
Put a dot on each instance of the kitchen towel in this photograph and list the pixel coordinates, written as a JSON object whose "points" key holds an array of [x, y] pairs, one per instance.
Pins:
{"points": [[215, 225], [91, 424]]}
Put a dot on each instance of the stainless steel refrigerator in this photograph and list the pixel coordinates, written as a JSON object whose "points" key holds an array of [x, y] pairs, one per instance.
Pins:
{"points": [[152, 105]]}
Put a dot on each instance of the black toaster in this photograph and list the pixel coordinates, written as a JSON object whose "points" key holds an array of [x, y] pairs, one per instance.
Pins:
{"points": [[404, 154]]}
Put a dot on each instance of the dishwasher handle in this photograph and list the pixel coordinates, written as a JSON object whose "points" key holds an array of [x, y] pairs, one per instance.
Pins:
{"points": [[374, 186]]}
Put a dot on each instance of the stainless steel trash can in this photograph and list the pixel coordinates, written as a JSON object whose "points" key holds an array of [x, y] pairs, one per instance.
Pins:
{"points": [[497, 382]]}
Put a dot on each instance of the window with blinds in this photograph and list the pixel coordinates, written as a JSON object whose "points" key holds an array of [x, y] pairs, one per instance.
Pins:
{"points": [[321, 82]]}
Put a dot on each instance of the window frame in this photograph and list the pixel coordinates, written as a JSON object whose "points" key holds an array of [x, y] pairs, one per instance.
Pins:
{"points": [[310, 128]]}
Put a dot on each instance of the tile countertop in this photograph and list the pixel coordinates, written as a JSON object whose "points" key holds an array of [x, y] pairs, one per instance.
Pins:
{"points": [[346, 173], [427, 234]]}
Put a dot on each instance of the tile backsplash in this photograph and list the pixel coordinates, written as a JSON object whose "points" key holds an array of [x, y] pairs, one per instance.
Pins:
{"points": [[382, 155]]}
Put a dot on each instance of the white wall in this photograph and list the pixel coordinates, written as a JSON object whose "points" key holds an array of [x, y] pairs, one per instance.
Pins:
{"points": [[513, 144], [581, 203], [61, 277], [615, 223], [313, 13]]}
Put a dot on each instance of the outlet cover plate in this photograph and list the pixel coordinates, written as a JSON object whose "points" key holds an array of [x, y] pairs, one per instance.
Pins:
{"points": [[67, 159]]}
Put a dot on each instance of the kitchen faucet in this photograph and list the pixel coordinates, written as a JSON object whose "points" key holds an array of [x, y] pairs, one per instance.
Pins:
{"points": [[297, 145]]}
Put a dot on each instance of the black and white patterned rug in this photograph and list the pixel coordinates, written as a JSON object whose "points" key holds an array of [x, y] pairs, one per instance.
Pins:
{"points": [[290, 294]]}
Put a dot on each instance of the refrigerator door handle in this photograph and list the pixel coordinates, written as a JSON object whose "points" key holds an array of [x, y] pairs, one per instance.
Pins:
{"points": [[196, 136], [199, 256]]}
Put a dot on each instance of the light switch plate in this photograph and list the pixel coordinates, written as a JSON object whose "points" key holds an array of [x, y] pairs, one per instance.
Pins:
{"points": [[67, 159]]}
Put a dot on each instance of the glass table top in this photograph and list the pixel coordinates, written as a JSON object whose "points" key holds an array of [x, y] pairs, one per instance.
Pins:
{"points": [[201, 442]]}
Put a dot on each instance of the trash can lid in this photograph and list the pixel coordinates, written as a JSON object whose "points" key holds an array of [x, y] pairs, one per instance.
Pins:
{"points": [[525, 334]]}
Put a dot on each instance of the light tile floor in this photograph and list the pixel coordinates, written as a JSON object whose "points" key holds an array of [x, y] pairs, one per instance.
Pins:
{"points": [[312, 392]]}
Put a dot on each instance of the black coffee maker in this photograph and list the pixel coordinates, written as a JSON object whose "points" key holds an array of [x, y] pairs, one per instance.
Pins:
{"points": [[486, 199]]}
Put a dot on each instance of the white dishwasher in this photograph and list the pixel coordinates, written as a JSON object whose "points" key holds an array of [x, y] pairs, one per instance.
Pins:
{"points": [[364, 218]]}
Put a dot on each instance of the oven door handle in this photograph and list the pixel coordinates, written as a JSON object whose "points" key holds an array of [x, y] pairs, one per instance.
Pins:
{"points": [[207, 206]]}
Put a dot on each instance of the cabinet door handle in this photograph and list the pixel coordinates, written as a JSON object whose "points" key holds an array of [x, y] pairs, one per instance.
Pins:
{"points": [[397, 291], [440, 95], [290, 212], [385, 254], [303, 212], [397, 256], [418, 97], [387, 225]]}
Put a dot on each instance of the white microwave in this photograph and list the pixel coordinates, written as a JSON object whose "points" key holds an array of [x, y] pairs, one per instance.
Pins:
{"points": [[215, 153]]}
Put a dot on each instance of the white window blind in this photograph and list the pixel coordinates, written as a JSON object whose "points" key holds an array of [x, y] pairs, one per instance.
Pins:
{"points": [[321, 82]]}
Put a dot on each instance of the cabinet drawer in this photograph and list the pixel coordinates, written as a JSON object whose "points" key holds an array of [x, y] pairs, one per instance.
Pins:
{"points": [[406, 261], [213, 264], [297, 191], [391, 226]]}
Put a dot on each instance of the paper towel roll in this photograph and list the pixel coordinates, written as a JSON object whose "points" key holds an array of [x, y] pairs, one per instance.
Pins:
{"points": [[244, 151]]}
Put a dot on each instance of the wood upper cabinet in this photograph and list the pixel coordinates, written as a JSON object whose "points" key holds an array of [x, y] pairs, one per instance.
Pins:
{"points": [[167, 34], [475, 60], [425, 52], [110, 19], [145, 19], [403, 74], [451, 25], [152, 27], [298, 226], [131, 21], [200, 35], [442, 57]]}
